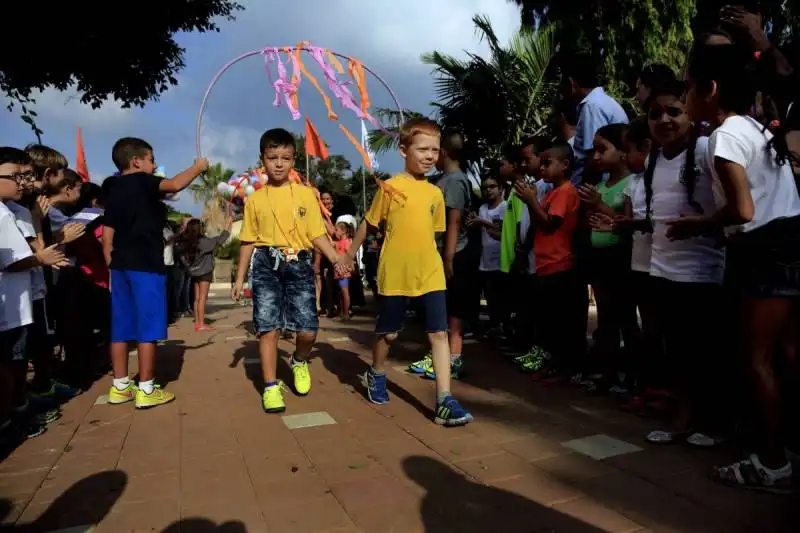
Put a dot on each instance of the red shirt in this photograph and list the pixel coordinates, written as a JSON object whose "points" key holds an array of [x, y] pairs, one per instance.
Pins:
{"points": [[553, 249]]}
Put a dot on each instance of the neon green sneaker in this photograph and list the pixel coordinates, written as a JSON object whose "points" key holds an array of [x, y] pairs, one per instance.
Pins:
{"points": [[272, 400], [158, 397], [456, 369], [302, 377], [128, 394], [422, 366]]}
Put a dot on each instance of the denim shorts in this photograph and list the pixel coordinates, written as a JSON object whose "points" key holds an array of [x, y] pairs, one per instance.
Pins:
{"points": [[284, 297], [392, 313]]}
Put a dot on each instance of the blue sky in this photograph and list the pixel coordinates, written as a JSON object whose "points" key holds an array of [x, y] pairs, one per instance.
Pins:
{"points": [[388, 36]]}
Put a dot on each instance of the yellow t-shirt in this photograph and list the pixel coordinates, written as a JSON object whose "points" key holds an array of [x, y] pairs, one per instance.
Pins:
{"points": [[284, 217], [410, 264]]}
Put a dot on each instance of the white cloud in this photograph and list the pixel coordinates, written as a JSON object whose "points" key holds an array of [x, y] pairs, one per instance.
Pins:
{"points": [[230, 145], [67, 108]]}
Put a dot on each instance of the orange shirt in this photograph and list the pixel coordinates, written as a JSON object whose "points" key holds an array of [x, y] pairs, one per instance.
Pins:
{"points": [[554, 249]]}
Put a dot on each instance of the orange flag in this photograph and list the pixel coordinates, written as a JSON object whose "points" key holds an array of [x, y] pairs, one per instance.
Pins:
{"points": [[315, 146], [80, 160]]}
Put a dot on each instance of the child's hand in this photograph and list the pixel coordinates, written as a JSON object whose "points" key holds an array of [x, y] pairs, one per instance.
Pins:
{"points": [[687, 227], [237, 290], [201, 164], [44, 204], [448, 267], [72, 232], [52, 257], [589, 195], [601, 222], [525, 192]]}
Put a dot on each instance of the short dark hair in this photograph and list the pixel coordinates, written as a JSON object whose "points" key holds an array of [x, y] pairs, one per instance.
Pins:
{"points": [[613, 133], [568, 110], [638, 132], [14, 156], [128, 148], [565, 152], [582, 68], [71, 179], [673, 87], [655, 74], [89, 192], [276, 138], [539, 144], [453, 144]]}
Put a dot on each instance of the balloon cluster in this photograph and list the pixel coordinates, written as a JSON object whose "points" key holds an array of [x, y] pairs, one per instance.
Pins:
{"points": [[236, 189]]}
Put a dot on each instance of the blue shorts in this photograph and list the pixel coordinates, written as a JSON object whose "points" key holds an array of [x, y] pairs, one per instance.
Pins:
{"points": [[138, 306], [284, 297], [344, 283], [392, 312]]}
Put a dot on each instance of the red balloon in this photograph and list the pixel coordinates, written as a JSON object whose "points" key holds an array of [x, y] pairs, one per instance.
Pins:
{"points": [[257, 185]]}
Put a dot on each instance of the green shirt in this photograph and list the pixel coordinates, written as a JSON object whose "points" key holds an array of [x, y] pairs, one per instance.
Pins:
{"points": [[613, 197], [508, 237]]}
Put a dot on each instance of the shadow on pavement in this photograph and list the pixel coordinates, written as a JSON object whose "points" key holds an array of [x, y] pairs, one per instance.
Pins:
{"points": [[247, 356], [88, 501], [453, 502]]}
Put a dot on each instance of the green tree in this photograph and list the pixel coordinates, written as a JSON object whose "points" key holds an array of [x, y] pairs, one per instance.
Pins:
{"points": [[136, 66], [626, 35], [204, 188]]}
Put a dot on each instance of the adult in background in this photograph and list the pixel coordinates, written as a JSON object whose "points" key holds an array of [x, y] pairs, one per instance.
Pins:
{"points": [[580, 86], [653, 75]]}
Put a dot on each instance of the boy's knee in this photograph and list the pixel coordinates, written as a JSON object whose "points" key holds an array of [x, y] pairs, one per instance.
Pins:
{"points": [[306, 336], [438, 336], [389, 338]]}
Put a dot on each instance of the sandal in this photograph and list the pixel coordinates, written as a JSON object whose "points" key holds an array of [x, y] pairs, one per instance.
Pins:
{"points": [[666, 437], [750, 473]]}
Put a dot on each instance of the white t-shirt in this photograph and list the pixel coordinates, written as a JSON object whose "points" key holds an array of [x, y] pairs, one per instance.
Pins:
{"points": [[742, 140], [15, 287], [169, 247], [25, 226], [642, 242], [700, 259], [490, 247]]}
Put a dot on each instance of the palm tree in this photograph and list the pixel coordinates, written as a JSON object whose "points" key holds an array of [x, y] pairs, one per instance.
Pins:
{"points": [[493, 101], [205, 188], [497, 100]]}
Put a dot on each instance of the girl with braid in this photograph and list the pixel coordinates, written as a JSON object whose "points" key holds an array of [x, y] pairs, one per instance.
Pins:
{"points": [[686, 275]]}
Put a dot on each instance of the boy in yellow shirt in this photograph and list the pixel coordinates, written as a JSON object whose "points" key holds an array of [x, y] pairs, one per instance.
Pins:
{"points": [[282, 225], [410, 265]]}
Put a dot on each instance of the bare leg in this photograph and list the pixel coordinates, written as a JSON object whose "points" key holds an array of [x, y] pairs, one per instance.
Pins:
{"points": [[345, 293], [200, 302], [196, 303], [147, 361], [304, 342], [456, 326], [380, 351], [119, 359], [268, 352], [440, 350]]}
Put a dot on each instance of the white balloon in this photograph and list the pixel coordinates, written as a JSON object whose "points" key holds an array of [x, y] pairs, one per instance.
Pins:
{"points": [[249, 190]]}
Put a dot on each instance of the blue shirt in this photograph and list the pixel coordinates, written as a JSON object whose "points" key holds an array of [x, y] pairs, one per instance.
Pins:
{"points": [[595, 111]]}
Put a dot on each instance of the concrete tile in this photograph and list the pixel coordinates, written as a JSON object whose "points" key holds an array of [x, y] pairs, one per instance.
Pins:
{"points": [[601, 446], [308, 420]]}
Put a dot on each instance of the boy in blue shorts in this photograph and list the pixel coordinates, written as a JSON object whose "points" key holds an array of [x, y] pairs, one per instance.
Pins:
{"points": [[133, 244], [282, 225], [410, 266]]}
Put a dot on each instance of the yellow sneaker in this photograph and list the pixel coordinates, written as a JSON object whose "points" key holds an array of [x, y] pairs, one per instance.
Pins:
{"points": [[302, 377], [272, 400], [158, 397], [128, 394]]}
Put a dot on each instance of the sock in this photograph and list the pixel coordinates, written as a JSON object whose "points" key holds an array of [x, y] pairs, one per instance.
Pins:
{"points": [[454, 357], [270, 384], [21, 408], [295, 360], [443, 396], [147, 387], [378, 372], [122, 383]]}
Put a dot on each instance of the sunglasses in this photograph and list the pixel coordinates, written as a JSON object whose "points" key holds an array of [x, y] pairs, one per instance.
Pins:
{"points": [[656, 113]]}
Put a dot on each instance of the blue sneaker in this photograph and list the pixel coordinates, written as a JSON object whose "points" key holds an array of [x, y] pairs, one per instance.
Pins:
{"points": [[450, 413], [376, 387]]}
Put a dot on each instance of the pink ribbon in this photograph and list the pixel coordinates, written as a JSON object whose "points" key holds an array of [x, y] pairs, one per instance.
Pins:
{"points": [[284, 89]]}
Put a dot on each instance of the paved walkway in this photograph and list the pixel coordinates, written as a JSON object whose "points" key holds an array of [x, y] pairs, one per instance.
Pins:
{"points": [[213, 460]]}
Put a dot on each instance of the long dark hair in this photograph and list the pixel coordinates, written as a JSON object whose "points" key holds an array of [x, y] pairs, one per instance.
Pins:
{"points": [[689, 172], [190, 239], [735, 74]]}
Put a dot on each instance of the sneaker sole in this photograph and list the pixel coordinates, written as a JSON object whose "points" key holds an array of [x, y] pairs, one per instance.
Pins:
{"points": [[145, 407], [450, 423], [120, 402], [274, 410]]}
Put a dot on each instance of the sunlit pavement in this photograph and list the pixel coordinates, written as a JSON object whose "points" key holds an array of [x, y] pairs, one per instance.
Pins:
{"points": [[536, 459]]}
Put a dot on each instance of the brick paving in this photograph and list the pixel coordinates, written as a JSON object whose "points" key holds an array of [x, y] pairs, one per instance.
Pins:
{"points": [[213, 461]]}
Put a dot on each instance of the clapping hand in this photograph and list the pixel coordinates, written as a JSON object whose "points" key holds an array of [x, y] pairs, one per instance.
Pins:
{"points": [[72, 232], [601, 222], [52, 257], [44, 204], [526, 193], [589, 195], [687, 227]]}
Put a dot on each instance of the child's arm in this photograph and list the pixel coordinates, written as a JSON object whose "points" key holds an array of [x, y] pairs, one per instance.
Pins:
{"points": [[324, 245], [245, 253], [541, 218], [453, 226], [358, 240], [49, 256], [185, 178], [108, 243]]}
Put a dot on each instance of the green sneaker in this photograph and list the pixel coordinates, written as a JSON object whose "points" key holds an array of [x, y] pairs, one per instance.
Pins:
{"points": [[456, 369], [421, 366], [533, 361]]}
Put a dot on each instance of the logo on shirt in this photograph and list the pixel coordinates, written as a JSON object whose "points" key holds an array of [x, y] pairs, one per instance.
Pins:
{"points": [[301, 212]]}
